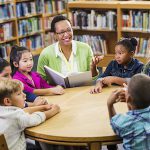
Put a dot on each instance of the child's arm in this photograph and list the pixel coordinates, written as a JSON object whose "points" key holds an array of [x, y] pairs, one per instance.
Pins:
{"points": [[38, 101], [97, 88], [58, 90], [53, 111], [116, 96], [114, 80], [25, 120], [42, 108]]}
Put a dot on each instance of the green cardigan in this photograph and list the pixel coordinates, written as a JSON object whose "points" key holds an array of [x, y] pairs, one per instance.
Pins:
{"points": [[48, 57]]}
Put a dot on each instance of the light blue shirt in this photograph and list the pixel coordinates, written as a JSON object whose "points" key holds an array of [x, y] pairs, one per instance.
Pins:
{"points": [[134, 128]]}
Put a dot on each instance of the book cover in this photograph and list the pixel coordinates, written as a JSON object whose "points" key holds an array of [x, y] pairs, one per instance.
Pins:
{"points": [[72, 80]]}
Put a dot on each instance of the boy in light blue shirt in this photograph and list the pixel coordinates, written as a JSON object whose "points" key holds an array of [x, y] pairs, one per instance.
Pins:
{"points": [[134, 126]]}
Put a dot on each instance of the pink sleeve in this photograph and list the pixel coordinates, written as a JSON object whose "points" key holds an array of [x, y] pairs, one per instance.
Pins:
{"points": [[44, 84]]}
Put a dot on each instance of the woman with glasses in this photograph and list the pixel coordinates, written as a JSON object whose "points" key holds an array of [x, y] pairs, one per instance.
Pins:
{"points": [[66, 55]]}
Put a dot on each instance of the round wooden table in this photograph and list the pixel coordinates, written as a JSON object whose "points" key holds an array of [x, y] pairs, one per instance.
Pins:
{"points": [[83, 119]]}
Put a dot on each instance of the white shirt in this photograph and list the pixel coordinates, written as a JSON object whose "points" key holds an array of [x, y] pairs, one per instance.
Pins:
{"points": [[13, 121], [67, 67]]}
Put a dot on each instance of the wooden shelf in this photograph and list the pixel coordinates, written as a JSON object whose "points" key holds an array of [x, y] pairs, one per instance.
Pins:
{"points": [[136, 31], [9, 40], [94, 30], [16, 20], [30, 34], [93, 5], [19, 1], [29, 16], [7, 20], [54, 14], [37, 51], [5, 3], [134, 4], [112, 36]]}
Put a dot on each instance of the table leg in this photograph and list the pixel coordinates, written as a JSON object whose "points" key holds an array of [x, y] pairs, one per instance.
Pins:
{"points": [[95, 146]]}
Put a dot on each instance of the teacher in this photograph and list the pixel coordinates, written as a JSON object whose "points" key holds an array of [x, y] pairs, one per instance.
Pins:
{"points": [[66, 55]]}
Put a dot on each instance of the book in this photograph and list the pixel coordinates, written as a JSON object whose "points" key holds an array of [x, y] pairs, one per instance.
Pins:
{"points": [[72, 80]]}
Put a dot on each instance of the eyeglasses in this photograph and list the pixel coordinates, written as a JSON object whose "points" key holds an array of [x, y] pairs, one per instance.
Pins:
{"points": [[68, 31]]}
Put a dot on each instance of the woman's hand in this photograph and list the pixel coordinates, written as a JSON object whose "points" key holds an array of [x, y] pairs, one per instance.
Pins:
{"points": [[96, 60]]}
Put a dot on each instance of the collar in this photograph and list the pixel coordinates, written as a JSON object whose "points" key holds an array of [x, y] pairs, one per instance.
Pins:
{"points": [[24, 78], [139, 111], [33, 74], [74, 48], [129, 66]]}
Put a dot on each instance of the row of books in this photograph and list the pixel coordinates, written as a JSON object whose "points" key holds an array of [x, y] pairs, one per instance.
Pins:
{"points": [[5, 50], [94, 19], [29, 26], [7, 11], [136, 20], [47, 22], [25, 9], [6, 31], [97, 43], [143, 48], [4, 1], [50, 6], [49, 39], [32, 42]]}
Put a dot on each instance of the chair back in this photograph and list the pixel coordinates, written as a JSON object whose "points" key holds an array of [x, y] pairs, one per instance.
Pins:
{"points": [[3, 144]]}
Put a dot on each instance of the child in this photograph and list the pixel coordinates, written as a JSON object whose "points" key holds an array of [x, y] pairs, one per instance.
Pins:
{"points": [[22, 63], [122, 68], [13, 119], [134, 126], [5, 72], [5, 69]]}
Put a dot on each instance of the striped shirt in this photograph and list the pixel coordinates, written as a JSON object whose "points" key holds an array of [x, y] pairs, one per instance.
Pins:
{"points": [[134, 128]]}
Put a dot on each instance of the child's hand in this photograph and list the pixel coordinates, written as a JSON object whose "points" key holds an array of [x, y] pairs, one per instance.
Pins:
{"points": [[40, 101], [97, 88], [58, 90], [96, 60], [116, 96], [108, 80], [55, 108], [48, 107]]}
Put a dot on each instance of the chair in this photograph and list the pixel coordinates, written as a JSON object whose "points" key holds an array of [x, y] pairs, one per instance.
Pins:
{"points": [[3, 144]]}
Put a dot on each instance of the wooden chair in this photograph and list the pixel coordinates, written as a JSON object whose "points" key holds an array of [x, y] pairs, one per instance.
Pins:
{"points": [[3, 144]]}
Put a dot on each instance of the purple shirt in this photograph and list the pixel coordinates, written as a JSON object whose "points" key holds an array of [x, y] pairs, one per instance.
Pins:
{"points": [[39, 83]]}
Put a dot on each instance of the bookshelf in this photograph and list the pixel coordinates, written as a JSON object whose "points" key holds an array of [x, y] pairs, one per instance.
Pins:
{"points": [[122, 14], [27, 23]]}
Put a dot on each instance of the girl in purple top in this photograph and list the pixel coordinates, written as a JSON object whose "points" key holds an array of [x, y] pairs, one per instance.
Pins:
{"points": [[21, 61]]}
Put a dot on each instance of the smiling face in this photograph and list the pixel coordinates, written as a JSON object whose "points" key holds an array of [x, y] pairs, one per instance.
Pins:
{"points": [[26, 63], [122, 56], [64, 33]]}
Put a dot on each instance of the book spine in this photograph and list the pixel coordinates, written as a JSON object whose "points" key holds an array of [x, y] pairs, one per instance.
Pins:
{"points": [[67, 83]]}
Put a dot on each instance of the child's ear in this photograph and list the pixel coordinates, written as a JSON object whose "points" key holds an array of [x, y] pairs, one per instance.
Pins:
{"points": [[15, 64], [7, 101], [129, 102], [132, 53]]}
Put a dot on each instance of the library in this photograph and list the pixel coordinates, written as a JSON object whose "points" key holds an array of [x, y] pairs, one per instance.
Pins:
{"points": [[44, 43]]}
